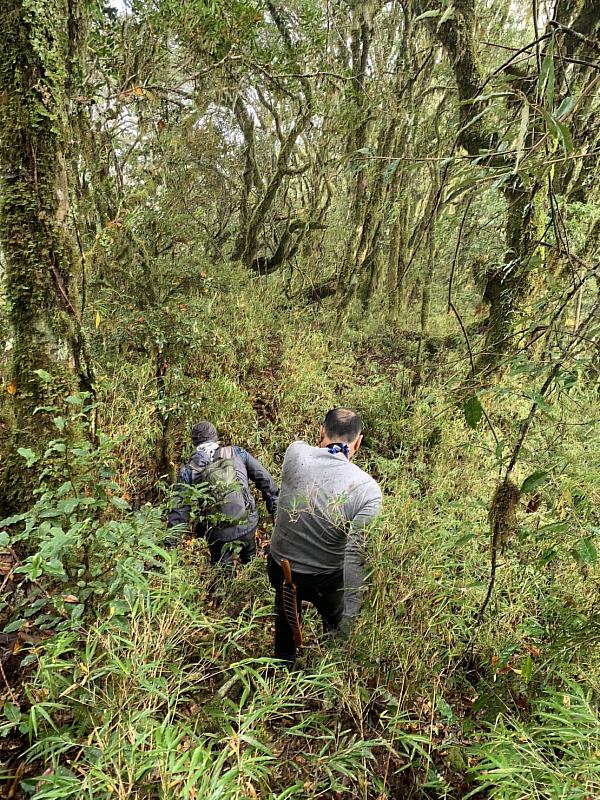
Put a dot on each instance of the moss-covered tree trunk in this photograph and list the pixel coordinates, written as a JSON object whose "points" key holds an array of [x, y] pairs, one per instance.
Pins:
{"points": [[427, 282], [37, 38], [508, 286]]}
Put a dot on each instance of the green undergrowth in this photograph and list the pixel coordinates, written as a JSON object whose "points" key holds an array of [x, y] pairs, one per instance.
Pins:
{"points": [[157, 681], [139, 672]]}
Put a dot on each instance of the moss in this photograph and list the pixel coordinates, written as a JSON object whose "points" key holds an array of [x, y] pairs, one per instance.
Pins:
{"points": [[503, 513], [457, 35], [40, 279], [508, 287]]}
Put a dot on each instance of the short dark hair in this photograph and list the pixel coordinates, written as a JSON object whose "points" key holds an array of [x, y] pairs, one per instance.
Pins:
{"points": [[342, 425]]}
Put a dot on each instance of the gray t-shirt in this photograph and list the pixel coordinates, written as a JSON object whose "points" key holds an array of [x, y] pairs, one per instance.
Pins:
{"points": [[324, 504]]}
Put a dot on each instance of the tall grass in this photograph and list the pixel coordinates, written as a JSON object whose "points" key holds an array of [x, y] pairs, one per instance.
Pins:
{"points": [[169, 691]]}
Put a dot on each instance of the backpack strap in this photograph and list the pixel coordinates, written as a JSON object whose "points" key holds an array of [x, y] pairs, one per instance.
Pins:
{"points": [[224, 452], [192, 469]]}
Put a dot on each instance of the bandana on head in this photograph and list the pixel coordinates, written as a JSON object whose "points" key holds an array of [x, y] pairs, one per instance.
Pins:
{"points": [[204, 431], [210, 448]]}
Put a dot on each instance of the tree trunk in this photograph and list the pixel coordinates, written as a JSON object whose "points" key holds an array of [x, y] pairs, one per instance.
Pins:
{"points": [[507, 287], [248, 242], [427, 282], [36, 49], [392, 272]]}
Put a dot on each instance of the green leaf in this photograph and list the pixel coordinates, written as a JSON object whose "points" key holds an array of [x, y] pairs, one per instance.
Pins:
{"points": [[565, 108], [12, 712], [550, 122], [523, 128], [473, 411], [505, 656], [542, 403], [14, 625], [466, 537], [254, 742], [390, 170], [546, 78], [4, 539], [445, 710], [119, 502], [501, 180], [527, 668], [8, 521], [43, 375], [67, 506], [564, 134], [548, 556], [37, 409], [427, 15], [554, 527], [28, 455], [533, 481], [585, 552], [55, 447], [448, 14], [568, 379], [484, 98], [550, 86]]}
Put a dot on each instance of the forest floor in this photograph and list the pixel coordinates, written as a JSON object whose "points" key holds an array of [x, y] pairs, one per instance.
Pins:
{"points": [[145, 674]]}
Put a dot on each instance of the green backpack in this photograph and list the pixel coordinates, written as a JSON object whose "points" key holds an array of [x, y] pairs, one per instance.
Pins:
{"points": [[229, 503]]}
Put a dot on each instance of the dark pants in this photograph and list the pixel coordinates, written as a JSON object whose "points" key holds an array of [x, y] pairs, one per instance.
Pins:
{"points": [[223, 552], [324, 591]]}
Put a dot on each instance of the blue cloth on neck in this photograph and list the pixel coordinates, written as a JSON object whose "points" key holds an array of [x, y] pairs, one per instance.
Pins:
{"points": [[339, 447]]}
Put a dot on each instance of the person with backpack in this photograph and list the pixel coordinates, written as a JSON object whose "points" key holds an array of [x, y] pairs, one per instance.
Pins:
{"points": [[216, 479], [324, 506]]}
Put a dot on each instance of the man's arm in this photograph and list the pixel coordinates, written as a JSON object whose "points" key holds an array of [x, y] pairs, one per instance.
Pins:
{"points": [[261, 478], [354, 559], [178, 515]]}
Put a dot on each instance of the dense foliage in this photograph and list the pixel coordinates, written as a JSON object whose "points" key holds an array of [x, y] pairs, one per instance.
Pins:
{"points": [[252, 212]]}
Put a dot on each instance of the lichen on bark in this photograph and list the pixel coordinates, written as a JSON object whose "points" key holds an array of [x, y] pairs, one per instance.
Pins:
{"points": [[38, 251], [508, 284]]}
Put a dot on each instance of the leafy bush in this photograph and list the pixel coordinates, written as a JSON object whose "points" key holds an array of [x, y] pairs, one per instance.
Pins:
{"points": [[555, 755], [81, 545]]}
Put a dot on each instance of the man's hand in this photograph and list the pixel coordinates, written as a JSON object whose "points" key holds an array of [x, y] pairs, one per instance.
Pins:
{"points": [[344, 629], [272, 507]]}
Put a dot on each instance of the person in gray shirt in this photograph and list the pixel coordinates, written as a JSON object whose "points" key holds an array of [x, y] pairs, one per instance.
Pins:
{"points": [[324, 505]]}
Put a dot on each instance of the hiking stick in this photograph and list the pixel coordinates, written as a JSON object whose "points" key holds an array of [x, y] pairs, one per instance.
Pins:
{"points": [[290, 602]]}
